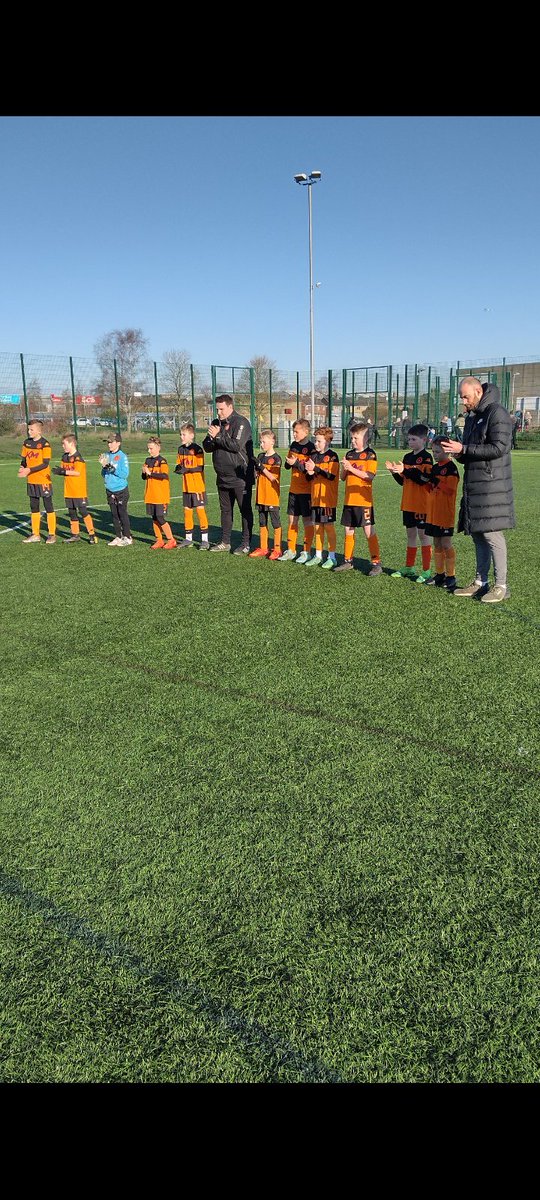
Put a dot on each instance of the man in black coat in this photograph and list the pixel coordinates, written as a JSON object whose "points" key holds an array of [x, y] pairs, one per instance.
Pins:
{"points": [[229, 441], [487, 502]]}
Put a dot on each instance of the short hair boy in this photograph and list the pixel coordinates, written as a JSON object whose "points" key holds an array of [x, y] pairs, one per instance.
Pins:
{"points": [[36, 469], [190, 465], [73, 470], [157, 494], [267, 497], [441, 515], [299, 500], [358, 469], [323, 471], [413, 475]]}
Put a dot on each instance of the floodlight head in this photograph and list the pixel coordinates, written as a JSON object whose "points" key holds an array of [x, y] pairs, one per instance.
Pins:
{"points": [[300, 179], [314, 175]]}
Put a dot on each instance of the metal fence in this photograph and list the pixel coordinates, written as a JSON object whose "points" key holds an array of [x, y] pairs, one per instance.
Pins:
{"points": [[66, 391]]}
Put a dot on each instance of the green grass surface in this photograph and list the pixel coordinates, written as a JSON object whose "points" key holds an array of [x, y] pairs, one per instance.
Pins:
{"points": [[260, 825]]}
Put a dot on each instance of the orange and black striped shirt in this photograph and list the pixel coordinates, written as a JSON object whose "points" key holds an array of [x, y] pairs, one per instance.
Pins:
{"points": [[157, 488], [359, 492], [36, 454], [325, 481], [441, 509], [190, 465], [416, 466], [74, 485], [267, 493], [300, 482]]}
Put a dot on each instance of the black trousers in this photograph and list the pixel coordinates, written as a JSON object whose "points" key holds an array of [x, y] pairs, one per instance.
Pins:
{"points": [[228, 493], [118, 502]]}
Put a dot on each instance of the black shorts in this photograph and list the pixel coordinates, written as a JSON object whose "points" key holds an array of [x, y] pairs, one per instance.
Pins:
{"points": [[158, 512], [269, 510], [323, 516], [39, 489], [299, 505], [355, 517], [77, 503], [438, 531], [413, 520], [194, 499]]}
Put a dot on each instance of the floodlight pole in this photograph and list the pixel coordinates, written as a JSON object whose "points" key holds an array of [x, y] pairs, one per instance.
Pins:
{"points": [[308, 181], [515, 376]]}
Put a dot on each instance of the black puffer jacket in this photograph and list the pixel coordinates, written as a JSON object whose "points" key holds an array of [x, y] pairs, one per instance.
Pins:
{"points": [[487, 502], [232, 450]]}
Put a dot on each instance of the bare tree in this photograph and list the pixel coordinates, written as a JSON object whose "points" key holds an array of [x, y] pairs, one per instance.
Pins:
{"points": [[175, 374], [128, 348], [261, 366]]}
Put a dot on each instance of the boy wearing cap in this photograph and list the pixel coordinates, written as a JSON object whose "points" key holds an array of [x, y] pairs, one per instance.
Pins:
{"points": [[115, 472], [36, 469]]}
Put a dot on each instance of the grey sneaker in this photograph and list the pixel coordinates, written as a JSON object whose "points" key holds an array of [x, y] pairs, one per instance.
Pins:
{"points": [[50, 540], [185, 544], [220, 548], [346, 565], [75, 537], [376, 569], [303, 557], [204, 545], [476, 588], [288, 556], [241, 550], [34, 537], [495, 595]]}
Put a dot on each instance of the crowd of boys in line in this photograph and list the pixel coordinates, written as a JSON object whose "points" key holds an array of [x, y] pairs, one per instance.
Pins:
{"points": [[428, 478]]}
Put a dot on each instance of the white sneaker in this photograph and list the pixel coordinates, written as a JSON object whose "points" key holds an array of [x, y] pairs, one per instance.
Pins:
{"points": [[126, 541], [34, 537], [116, 542]]}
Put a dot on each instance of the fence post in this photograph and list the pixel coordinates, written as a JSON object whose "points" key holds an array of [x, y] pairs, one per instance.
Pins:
{"points": [[73, 405], [298, 395], [192, 378], [330, 397], [116, 396], [270, 395], [24, 390], [156, 397], [389, 398]]}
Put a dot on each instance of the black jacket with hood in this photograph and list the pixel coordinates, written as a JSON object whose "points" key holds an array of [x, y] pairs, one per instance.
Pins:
{"points": [[232, 450], [487, 502]]}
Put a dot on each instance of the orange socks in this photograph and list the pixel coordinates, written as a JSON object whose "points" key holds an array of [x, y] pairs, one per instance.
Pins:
{"points": [[349, 545], [309, 534], [263, 537], [89, 525], [35, 519], [51, 523], [374, 548], [292, 539], [426, 557], [411, 556]]}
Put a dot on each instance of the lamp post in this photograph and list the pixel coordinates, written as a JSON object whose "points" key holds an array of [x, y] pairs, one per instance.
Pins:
{"points": [[515, 376], [308, 181]]}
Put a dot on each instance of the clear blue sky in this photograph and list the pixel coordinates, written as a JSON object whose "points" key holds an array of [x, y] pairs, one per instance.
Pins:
{"points": [[425, 236]]}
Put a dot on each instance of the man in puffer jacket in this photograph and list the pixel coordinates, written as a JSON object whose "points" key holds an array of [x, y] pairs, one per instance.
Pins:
{"points": [[487, 502]]}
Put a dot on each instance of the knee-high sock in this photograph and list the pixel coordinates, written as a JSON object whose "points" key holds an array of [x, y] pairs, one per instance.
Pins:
{"points": [[189, 520], [157, 531], [292, 538], [51, 523], [263, 537], [277, 538], [374, 548], [319, 538], [35, 519], [309, 534], [426, 557], [89, 525], [203, 518], [74, 526], [411, 556], [166, 529], [349, 545]]}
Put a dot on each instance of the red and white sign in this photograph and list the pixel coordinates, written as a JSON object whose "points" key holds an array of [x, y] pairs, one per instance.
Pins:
{"points": [[57, 399], [87, 399]]}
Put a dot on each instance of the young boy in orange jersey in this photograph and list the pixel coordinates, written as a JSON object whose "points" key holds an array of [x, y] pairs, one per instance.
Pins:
{"points": [[358, 469], [413, 475], [299, 502], [190, 465], [157, 495], [36, 469], [323, 471], [442, 515], [268, 474], [73, 470]]}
